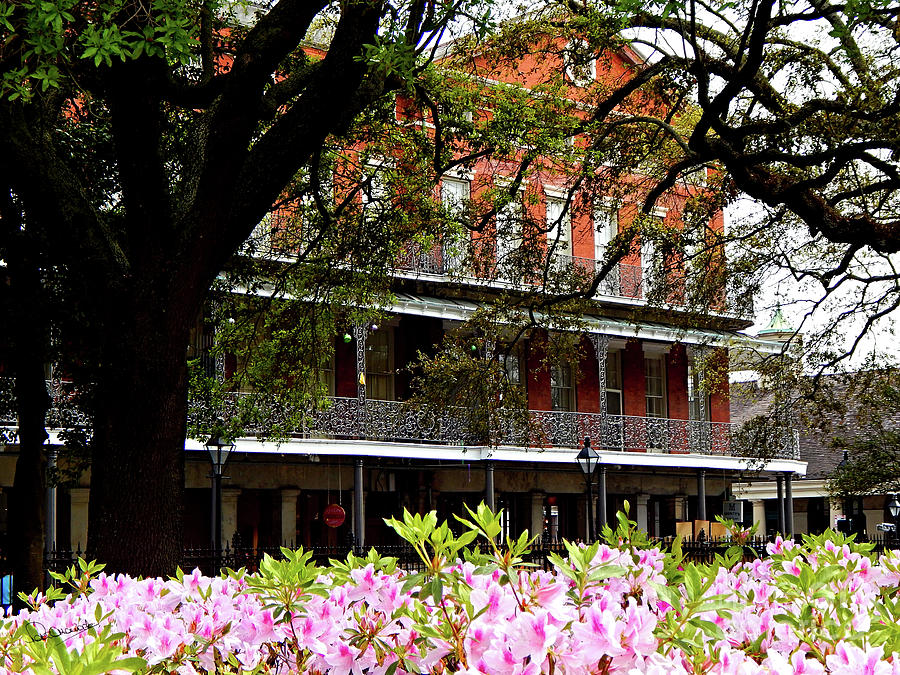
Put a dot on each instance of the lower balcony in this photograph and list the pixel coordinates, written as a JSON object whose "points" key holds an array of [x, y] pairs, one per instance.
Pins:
{"points": [[393, 421]]}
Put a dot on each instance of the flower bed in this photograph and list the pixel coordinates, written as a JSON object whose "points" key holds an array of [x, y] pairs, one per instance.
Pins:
{"points": [[823, 607]]}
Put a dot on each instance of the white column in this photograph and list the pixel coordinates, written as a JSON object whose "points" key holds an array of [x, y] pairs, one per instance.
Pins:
{"points": [[229, 515], [680, 507], [537, 514], [78, 519], [836, 510], [289, 516], [759, 516], [640, 513]]}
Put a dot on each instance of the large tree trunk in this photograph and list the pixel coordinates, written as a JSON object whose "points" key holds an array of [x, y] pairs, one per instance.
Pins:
{"points": [[27, 507], [137, 474], [29, 339]]}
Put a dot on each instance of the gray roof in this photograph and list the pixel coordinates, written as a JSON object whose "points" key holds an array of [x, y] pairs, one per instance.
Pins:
{"points": [[818, 423]]}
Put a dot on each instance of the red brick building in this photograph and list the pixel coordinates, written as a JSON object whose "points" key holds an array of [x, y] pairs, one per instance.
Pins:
{"points": [[665, 442]]}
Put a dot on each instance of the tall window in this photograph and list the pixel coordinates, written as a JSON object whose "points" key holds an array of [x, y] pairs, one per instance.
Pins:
{"points": [[326, 376], [374, 192], [651, 263], [562, 389], [654, 375], [511, 366], [580, 63], [380, 364], [606, 227], [509, 239], [559, 227], [454, 195], [614, 383]]}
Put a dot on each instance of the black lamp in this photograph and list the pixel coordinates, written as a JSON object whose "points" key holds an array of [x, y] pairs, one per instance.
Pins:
{"points": [[894, 507], [219, 448], [587, 459]]}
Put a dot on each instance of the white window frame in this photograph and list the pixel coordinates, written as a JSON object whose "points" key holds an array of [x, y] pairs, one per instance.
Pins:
{"points": [[606, 227], [508, 222], [661, 397], [614, 363], [559, 225], [455, 201], [570, 387], [512, 366], [649, 254], [579, 79], [389, 374], [374, 189]]}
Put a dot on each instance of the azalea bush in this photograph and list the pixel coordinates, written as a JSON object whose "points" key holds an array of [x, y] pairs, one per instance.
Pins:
{"points": [[623, 606]]}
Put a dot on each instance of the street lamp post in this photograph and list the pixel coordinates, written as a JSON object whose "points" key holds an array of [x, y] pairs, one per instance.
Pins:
{"points": [[587, 459], [894, 510], [219, 448]]}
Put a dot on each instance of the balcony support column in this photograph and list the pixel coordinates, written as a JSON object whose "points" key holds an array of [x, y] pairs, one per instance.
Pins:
{"points": [[601, 349], [359, 334], [601, 497], [759, 516], [359, 531], [780, 493], [289, 516], [537, 514], [640, 512], [50, 542], [230, 497], [489, 485], [701, 494], [788, 505], [78, 518]]}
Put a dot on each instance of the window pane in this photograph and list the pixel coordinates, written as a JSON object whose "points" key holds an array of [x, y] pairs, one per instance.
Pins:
{"points": [[454, 193], [510, 363], [559, 234], [509, 239], [613, 370], [605, 229], [655, 387], [561, 391], [379, 365], [698, 400], [613, 402]]}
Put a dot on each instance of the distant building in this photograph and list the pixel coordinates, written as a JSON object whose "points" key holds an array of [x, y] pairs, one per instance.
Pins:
{"points": [[813, 510]]}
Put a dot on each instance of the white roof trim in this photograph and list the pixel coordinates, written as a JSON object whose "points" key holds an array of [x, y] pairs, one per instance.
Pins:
{"points": [[360, 448], [460, 310]]}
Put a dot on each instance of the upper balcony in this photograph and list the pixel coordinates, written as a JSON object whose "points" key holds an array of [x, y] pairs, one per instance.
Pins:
{"points": [[624, 281], [484, 263]]}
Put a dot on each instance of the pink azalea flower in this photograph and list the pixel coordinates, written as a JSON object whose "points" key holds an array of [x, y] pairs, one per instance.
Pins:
{"points": [[531, 635], [848, 659]]}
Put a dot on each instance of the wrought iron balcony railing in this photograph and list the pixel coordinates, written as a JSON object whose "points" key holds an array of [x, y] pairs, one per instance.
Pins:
{"points": [[64, 412], [394, 421], [626, 281], [276, 238]]}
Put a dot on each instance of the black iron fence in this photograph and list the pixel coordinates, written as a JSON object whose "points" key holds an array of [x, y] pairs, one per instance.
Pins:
{"points": [[699, 551]]}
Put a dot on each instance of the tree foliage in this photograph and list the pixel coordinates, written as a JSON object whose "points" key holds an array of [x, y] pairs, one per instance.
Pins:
{"points": [[146, 142]]}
